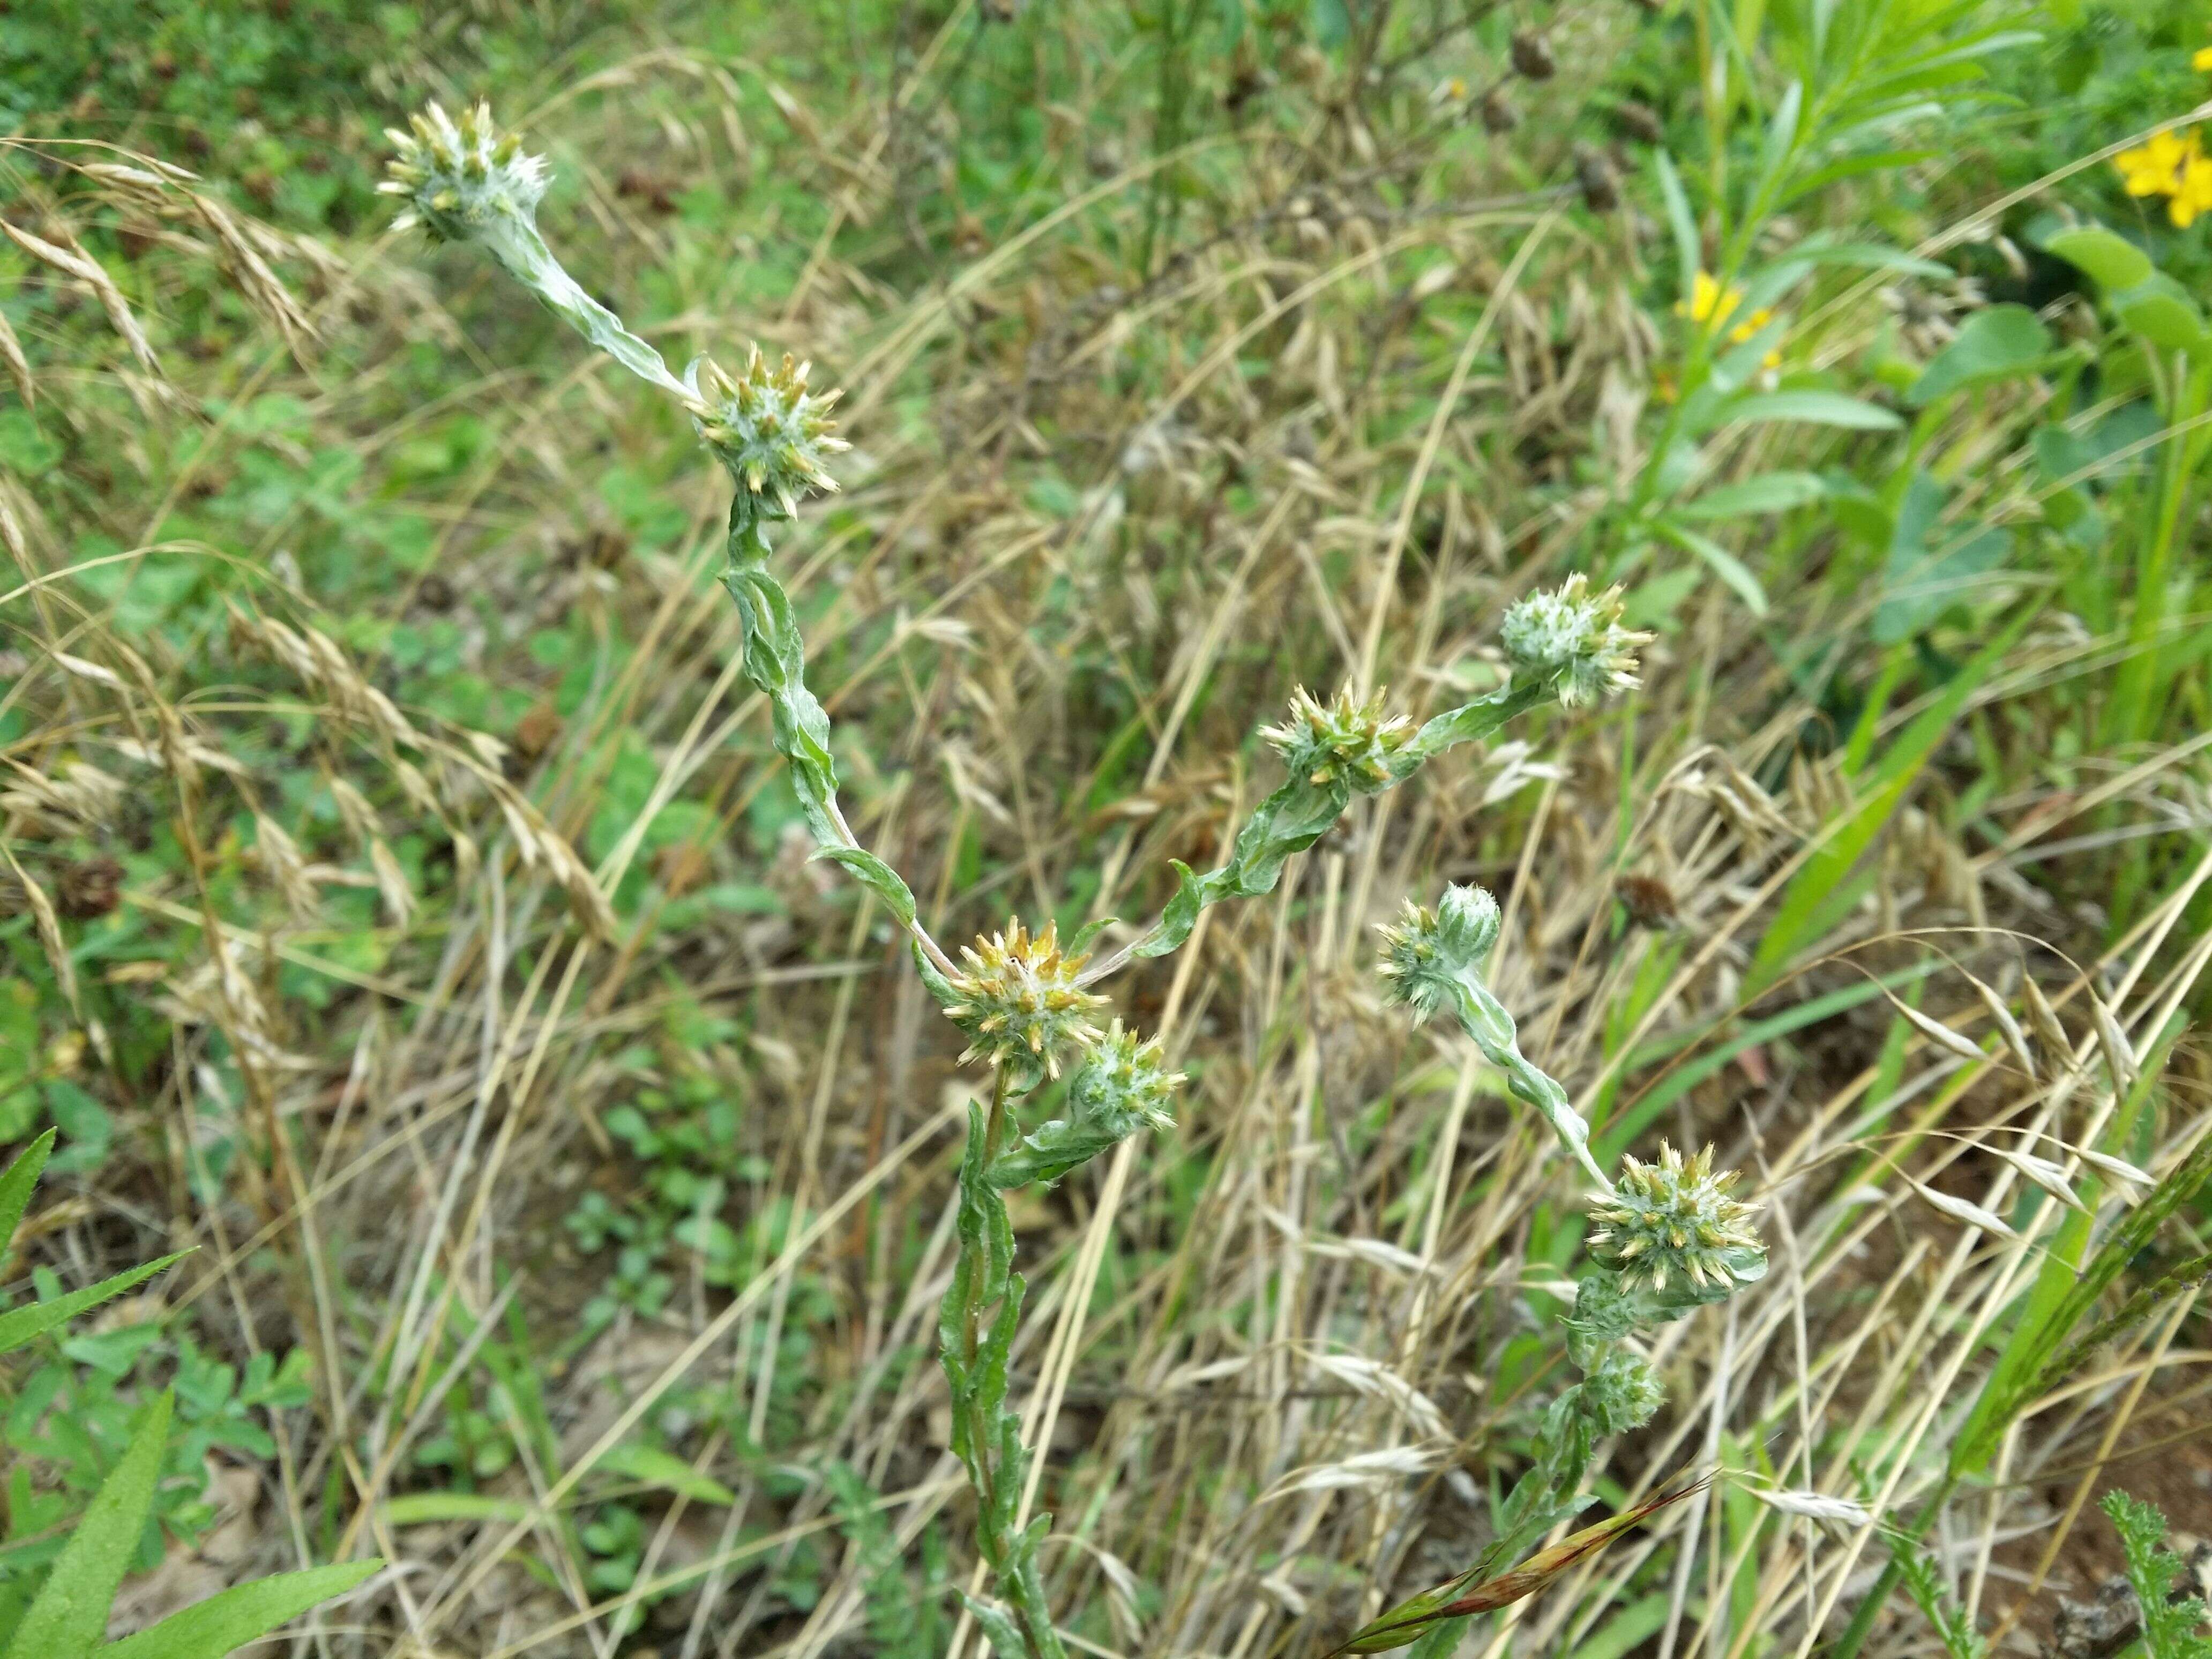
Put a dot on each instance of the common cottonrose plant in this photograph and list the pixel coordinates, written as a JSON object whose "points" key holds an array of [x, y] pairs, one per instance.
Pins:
{"points": [[1669, 1237]]}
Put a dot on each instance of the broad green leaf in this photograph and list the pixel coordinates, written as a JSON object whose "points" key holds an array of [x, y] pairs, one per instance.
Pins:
{"points": [[22, 1325], [416, 1508], [1918, 591], [1997, 343], [2111, 261], [1859, 513], [224, 1623], [1725, 564], [16, 1184], [1815, 407], [659, 1468], [70, 1614], [2157, 310], [1770, 492], [1929, 570]]}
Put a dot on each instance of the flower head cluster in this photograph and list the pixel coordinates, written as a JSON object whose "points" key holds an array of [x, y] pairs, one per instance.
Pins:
{"points": [[1675, 1219], [1346, 741], [1426, 952], [1714, 306], [2173, 166], [1019, 1002], [771, 432], [1124, 1085], [462, 179], [1573, 637]]}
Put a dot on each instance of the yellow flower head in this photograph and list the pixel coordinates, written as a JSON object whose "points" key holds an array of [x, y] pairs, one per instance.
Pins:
{"points": [[2156, 168], [2193, 195], [1712, 304], [2202, 59], [1708, 302]]}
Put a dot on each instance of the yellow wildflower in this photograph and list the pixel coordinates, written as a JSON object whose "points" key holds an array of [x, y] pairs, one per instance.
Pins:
{"points": [[2202, 60], [2193, 195], [1712, 304], [1708, 304], [2155, 168]]}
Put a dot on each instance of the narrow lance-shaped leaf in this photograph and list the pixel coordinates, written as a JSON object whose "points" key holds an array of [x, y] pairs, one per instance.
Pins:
{"points": [[16, 1184], [70, 1614], [1486, 1019], [1814, 408], [23, 1325], [225, 1622]]}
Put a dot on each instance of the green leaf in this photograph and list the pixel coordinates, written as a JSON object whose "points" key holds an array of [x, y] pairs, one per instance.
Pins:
{"points": [[996, 1623], [656, 1468], [2157, 310], [225, 1622], [25, 1324], [1781, 131], [2111, 261], [416, 1508], [1799, 916], [1871, 256], [70, 1614], [1682, 222], [1725, 564], [1920, 582], [1735, 368], [877, 877], [16, 1184], [1997, 343], [1816, 408], [1770, 492], [1856, 167]]}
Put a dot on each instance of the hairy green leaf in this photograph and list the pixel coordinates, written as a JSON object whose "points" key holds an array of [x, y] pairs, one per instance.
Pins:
{"points": [[70, 1614], [16, 1182], [225, 1622], [22, 1325]]}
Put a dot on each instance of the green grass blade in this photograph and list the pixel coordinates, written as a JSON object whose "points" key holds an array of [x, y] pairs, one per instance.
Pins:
{"points": [[70, 1614], [227, 1622], [1796, 922]]}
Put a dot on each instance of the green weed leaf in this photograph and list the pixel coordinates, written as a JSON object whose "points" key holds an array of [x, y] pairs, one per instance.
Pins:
{"points": [[878, 878], [70, 1614], [2111, 261], [1723, 563], [2158, 311], [16, 1182], [225, 1622], [656, 1468], [22, 1325], [1814, 408], [2000, 342], [1770, 492]]}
